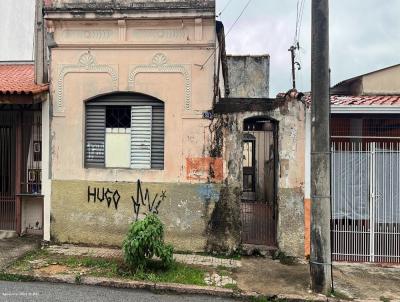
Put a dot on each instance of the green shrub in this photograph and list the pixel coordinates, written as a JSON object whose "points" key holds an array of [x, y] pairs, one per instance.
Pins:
{"points": [[144, 240]]}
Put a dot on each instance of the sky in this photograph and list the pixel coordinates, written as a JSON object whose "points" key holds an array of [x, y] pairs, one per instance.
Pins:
{"points": [[16, 30], [364, 35]]}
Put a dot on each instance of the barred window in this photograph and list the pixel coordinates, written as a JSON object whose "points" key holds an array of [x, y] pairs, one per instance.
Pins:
{"points": [[124, 130]]}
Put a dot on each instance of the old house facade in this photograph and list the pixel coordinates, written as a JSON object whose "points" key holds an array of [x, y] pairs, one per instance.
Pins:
{"points": [[144, 115], [127, 130]]}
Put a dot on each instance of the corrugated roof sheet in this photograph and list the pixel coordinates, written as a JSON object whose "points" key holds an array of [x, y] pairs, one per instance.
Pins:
{"points": [[18, 79]]}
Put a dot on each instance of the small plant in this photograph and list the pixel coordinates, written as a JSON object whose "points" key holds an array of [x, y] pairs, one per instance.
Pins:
{"points": [[78, 278], [283, 258], [145, 239]]}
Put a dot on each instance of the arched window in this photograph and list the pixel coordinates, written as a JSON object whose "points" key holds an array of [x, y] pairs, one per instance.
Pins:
{"points": [[124, 130]]}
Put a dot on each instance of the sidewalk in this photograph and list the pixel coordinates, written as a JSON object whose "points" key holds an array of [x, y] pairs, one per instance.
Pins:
{"points": [[13, 248], [244, 278], [73, 250], [368, 281]]}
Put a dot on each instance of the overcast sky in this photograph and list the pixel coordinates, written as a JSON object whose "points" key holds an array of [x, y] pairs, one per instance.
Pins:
{"points": [[364, 36]]}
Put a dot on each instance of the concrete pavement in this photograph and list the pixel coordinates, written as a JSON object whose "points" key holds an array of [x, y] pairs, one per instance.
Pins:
{"points": [[13, 248]]}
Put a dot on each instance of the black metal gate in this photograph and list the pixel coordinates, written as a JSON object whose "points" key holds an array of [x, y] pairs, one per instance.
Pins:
{"points": [[7, 171], [258, 207], [20, 161]]}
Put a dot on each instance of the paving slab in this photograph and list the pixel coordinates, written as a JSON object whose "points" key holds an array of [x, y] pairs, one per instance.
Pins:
{"points": [[368, 281], [358, 281], [271, 278], [14, 248], [104, 252]]}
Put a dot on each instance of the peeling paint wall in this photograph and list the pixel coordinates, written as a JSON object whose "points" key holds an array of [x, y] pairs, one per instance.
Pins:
{"points": [[291, 151], [80, 217], [248, 76], [149, 47]]}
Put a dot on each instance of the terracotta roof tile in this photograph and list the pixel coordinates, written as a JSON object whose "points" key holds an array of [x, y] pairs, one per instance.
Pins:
{"points": [[362, 100], [19, 78]]}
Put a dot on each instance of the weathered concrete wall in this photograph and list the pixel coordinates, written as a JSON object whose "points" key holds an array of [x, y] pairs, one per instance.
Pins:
{"points": [[248, 76], [225, 225], [291, 151], [80, 217]]}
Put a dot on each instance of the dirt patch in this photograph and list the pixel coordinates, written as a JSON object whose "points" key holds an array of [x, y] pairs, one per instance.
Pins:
{"points": [[58, 269], [53, 270]]}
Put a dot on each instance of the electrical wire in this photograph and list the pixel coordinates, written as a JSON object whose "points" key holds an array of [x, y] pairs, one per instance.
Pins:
{"points": [[299, 20], [237, 19], [224, 8], [226, 35]]}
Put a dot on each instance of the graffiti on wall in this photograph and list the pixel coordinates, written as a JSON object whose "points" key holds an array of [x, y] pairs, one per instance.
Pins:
{"points": [[204, 168], [150, 205], [95, 150], [102, 194], [143, 202]]}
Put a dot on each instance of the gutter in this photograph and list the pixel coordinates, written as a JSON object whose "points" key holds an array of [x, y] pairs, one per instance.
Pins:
{"points": [[369, 109]]}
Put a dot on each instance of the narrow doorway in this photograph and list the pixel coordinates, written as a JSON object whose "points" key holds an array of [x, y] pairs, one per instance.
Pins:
{"points": [[258, 206]]}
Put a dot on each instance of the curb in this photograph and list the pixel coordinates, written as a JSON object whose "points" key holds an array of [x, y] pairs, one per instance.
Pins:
{"points": [[132, 284], [183, 289]]}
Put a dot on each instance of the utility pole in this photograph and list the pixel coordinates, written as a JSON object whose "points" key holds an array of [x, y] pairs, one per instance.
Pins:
{"points": [[292, 50], [39, 49], [320, 257]]}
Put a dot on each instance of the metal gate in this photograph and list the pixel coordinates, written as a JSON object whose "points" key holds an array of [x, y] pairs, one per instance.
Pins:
{"points": [[7, 171], [258, 210], [366, 201]]}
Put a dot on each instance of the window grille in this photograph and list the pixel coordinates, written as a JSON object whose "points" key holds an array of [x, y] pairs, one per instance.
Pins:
{"points": [[143, 116]]}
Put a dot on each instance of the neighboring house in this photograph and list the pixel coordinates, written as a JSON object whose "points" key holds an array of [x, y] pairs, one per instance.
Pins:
{"points": [[365, 135], [21, 149]]}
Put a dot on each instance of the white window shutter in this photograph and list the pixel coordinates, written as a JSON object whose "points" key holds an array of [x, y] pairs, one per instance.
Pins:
{"points": [[141, 137]]}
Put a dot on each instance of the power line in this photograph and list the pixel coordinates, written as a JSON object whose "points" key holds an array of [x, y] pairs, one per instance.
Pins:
{"points": [[226, 35], [237, 19], [297, 22], [224, 8], [299, 19]]}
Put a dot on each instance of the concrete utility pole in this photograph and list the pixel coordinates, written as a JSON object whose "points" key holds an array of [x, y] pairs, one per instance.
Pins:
{"points": [[40, 57], [320, 258], [292, 49]]}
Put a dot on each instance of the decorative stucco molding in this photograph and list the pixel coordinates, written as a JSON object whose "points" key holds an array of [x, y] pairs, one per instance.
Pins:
{"points": [[150, 34], [89, 35], [160, 65], [86, 64]]}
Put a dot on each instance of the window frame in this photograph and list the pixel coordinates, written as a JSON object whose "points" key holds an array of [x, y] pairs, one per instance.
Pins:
{"points": [[101, 102]]}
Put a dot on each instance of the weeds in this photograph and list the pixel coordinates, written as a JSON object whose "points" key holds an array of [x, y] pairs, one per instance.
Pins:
{"points": [[15, 277]]}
